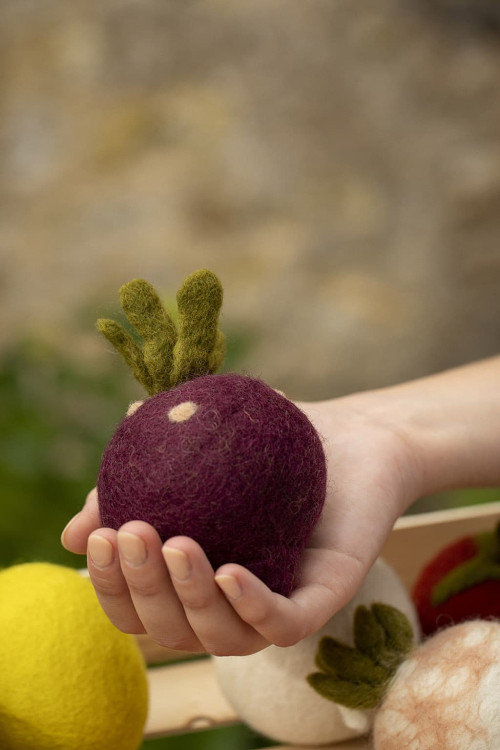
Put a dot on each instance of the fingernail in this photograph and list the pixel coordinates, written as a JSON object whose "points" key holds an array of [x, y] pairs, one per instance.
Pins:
{"points": [[132, 548], [229, 585], [177, 563], [70, 523], [100, 550]]}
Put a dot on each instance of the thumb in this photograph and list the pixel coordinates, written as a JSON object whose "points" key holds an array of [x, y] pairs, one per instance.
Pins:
{"points": [[76, 532]]}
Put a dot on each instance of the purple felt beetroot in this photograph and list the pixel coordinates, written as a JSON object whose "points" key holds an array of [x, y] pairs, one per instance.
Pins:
{"points": [[226, 460]]}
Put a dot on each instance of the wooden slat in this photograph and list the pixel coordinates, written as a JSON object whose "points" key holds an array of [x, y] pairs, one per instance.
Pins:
{"points": [[186, 696]]}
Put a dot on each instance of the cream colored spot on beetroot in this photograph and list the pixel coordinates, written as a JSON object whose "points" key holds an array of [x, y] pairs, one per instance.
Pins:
{"points": [[133, 407], [445, 715], [182, 412]]}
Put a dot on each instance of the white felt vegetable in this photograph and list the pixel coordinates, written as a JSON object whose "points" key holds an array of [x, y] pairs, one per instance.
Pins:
{"points": [[269, 689], [446, 695]]}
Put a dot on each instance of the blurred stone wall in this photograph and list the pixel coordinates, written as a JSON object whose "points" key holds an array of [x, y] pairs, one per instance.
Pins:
{"points": [[336, 163]]}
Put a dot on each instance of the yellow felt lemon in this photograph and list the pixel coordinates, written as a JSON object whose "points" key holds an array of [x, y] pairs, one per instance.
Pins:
{"points": [[69, 680]]}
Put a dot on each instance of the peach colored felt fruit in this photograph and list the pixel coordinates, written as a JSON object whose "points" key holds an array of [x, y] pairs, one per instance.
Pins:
{"points": [[446, 695]]}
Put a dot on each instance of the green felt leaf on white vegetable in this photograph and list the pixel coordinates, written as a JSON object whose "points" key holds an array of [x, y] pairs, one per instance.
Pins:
{"points": [[357, 677]]}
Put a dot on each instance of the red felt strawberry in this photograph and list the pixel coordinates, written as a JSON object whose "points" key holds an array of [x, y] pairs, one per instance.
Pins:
{"points": [[461, 583]]}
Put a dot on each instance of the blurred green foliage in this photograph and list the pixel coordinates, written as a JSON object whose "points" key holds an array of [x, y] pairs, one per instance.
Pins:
{"points": [[238, 737], [455, 499], [56, 417]]}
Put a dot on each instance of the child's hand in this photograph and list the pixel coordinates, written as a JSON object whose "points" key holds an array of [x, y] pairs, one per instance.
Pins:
{"points": [[183, 605]]}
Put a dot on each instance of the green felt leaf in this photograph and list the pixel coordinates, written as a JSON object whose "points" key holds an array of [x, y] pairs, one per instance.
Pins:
{"points": [[199, 301], [398, 630], [357, 677], [348, 663], [130, 351], [349, 694], [145, 311], [369, 635], [170, 356], [485, 566], [216, 356]]}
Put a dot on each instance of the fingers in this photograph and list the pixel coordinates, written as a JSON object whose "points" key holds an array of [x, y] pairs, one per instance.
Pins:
{"points": [[211, 616], [330, 580], [75, 534], [180, 607], [151, 589], [134, 588], [103, 564], [277, 619]]}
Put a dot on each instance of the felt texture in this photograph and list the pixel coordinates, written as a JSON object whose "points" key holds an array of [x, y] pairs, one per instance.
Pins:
{"points": [[70, 679], [182, 412], [170, 356], [358, 677], [199, 348], [133, 407], [461, 582], [245, 475], [269, 689], [484, 566], [446, 696]]}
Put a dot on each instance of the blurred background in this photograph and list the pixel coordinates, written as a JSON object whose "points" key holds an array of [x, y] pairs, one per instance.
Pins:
{"points": [[336, 164]]}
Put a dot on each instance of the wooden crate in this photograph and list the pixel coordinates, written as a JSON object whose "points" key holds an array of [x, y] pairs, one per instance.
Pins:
{"points": [[185, 697]]}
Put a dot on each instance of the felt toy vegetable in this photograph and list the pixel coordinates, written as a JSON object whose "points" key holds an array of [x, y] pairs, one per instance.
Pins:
{"points": [[461, 583], [447, 694], [69, 679], [269, 689], [443, 695], [224, 459]]}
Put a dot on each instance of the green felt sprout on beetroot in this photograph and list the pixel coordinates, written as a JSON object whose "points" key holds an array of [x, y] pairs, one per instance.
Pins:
{"points": [[224, 459], [170, 357]]}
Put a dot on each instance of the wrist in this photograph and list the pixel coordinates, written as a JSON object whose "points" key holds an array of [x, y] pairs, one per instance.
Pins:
{"points": [[439, 432], [451, 422], [392, 415], [370, 428], [426, 441]]}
